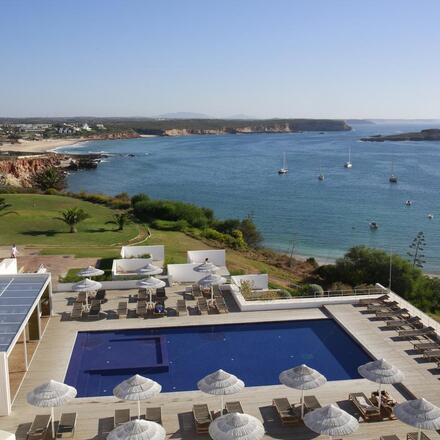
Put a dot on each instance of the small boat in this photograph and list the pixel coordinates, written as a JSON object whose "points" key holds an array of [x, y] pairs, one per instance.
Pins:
{"points": [[374, 226], [430, 216], [321, 176], [408, 203], [393, 177], [284, 169], [348, 164]]}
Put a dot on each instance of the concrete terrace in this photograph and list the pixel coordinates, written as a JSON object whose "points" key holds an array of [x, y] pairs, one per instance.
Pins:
{"points": [[95, 414]]}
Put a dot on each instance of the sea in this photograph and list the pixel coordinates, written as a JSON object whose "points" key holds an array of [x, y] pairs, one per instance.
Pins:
{"points": [[236, 176]]}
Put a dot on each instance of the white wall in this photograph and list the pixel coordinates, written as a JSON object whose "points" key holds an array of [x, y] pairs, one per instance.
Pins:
{"points": [[215, 256], [128, 266], [258, 282], [8, 266], [157, 251], [184, 273]]}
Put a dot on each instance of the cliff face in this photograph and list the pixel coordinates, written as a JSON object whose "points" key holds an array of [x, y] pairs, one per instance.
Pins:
{"points": [[263, 127], [19, 171]]}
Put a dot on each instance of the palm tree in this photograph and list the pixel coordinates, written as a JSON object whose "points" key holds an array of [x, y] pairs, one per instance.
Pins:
{"points": [[50, 178], [4, 206], [72, 217], [120, 220]]}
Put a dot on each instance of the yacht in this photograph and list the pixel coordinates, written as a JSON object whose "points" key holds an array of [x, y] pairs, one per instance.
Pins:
{"points": [[408, 203], [393, 177], [284, 169], [430, 216], [348, 164], [374, 226]]}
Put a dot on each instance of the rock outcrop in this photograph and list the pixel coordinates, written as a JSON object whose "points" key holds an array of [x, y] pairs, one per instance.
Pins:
{"points": [[430, 134]]}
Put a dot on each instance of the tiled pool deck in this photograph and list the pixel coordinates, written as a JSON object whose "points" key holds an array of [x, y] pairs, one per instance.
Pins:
{"points": [[95, 414]]}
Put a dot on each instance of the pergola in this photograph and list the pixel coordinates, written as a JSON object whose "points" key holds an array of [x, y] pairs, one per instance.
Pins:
{"points": [[25, 305]]}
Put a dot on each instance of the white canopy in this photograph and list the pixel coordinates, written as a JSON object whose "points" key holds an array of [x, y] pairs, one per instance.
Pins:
{"points": [[49, 395], [302, 378], [381, 371], [151, 283], [419, 413], [236, 426], [90, 272], [331, 420], [211, 280], [220, 383], [138, 430], [86, 285], [137, 388], [150, 269], [207, 267]]}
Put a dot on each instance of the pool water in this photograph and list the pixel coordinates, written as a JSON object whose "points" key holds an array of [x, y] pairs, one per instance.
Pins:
{"points": [[180, 356]]}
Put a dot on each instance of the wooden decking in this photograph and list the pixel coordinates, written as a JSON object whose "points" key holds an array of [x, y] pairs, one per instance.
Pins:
{"points": [[95, 414]]}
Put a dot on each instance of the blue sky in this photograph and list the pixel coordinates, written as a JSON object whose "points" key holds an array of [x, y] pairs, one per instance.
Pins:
{"points": [[277, 58]]}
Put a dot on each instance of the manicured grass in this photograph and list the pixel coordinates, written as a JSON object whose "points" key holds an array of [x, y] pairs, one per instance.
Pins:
{"points": [[36, 225]]}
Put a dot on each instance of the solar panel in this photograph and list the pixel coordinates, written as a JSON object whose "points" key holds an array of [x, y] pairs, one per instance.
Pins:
{"points": [[18, 294]]}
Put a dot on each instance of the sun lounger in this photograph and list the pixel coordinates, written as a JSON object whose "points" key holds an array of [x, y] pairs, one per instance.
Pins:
{"points": [[39, 427], [234, 407], [367, 301], [365, 406], [389, 437], [202, 418], [141, 308], [154, 415], [432, 354], [420, 332], [311, 403], [181, 307], [95, 309], [421, 346], [202, 305], [196, 291], [286, 413], [403, 313], [411, 322], [121, 416], [221, 305], [142, 294], [122, 308], [77, 311], [387, 404], [100, 295], [383, 306], [414, 436], [160, 293], [81, 298], [66, 427]]}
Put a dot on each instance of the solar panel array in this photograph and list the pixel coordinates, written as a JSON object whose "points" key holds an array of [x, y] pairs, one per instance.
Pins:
{"points": [[17, 296]]}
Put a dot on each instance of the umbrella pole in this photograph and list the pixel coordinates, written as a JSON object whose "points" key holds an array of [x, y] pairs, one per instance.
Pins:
{"points": [[419, 435], [151, 296], [212, 295], [139, 409], [221, 408], [52, 418], [302, 404], [379, 397]]}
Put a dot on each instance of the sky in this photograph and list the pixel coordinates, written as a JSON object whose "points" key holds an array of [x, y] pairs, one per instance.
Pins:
{"points": [[263, 58]]}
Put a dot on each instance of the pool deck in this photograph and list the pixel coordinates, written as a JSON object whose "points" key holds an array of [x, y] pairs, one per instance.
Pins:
{"points": [[95, 414]]}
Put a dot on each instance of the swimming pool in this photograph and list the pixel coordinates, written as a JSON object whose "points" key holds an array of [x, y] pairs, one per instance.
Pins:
{"points": [[178, 357]]}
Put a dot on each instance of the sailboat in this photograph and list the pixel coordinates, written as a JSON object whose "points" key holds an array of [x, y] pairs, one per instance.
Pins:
{"points": [[321, 176], [284, 169], [393, 177], [348, 164]]}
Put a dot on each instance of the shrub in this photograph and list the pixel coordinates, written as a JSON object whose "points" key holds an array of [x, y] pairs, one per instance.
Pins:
{"points": [[49, 178], [167, 225]]}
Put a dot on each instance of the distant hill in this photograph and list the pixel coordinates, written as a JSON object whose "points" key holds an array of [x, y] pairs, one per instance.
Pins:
{"points": [[183, 115], [360, 122]]}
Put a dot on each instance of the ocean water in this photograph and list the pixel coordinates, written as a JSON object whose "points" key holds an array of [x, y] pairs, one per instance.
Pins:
{"points": [[236, 175]]}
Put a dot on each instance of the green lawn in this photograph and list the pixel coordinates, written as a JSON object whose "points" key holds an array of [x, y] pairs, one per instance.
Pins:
{"points": [[36, 225]]}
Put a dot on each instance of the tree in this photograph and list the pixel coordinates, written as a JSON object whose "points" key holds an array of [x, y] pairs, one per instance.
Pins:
{"points": [[4, 208], [50, 178], [416, 248], [251, 234], [72, 217], [120, 219]]}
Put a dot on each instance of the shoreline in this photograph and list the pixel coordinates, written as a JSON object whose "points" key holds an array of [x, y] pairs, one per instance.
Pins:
{"points": [[40, 146]]}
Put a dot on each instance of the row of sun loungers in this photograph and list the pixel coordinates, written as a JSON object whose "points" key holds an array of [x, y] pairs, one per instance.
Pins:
{"points": [[409, 436], [123, 416], [41, 426], [203, 417]]}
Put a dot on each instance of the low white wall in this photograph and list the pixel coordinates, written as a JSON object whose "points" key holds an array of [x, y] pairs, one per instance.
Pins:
{"points": [[128, 266], [185, 273], [8, 266], [215, 256], [258, 282], [294, 303], [157, 252]]}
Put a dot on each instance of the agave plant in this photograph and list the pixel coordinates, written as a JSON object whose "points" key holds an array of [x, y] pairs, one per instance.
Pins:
{"points": [[120, 219], [4, 208], [72, 217]]}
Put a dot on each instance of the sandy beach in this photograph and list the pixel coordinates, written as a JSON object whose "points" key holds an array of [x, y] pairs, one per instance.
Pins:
{"points": [[40, 146]]}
